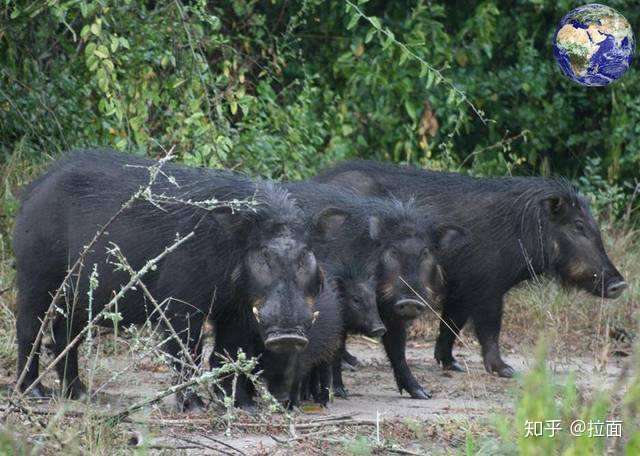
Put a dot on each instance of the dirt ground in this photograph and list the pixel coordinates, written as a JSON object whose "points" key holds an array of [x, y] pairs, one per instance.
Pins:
{"points": [[460, 401]]}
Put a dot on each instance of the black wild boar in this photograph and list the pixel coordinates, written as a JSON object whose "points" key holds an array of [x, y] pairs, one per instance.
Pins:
{"points": [[339, 236], [356, 288], [399, 246], [341, 239], [519, 228], [249, 270], [325, 337], [347, 305]]}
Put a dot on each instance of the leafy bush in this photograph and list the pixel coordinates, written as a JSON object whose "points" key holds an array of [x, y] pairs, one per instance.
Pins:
{"points": [[281, 88]]}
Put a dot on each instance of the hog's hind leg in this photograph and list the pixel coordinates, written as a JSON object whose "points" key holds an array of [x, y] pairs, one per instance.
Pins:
{"points": [[34, 298], [487, 320], [454, 317], [188, 328], [336, 367], [64, 332]]}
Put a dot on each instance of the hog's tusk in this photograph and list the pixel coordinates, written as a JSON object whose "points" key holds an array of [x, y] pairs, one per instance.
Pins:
{"points": [[256, 313], [316, 314]]}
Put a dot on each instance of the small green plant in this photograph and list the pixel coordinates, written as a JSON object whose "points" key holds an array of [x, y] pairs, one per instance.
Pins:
{"points": [[555, 418], [360, 446]]}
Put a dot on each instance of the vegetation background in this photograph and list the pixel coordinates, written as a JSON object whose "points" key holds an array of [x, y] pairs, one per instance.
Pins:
{"points": [[281, 88]]}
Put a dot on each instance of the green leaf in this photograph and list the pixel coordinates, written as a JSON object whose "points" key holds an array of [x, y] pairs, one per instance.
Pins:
{"points": [[430, 76], [115, 43], [376, 22], [353, 21], [370, 34], [96, 28], [411, 110], [403, 57], [102, 52], [89, 49]]}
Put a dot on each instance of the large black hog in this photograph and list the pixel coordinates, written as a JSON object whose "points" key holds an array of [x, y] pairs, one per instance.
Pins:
{"points": [[519, 228], [249, 270], [398, 246], [325, 338]]}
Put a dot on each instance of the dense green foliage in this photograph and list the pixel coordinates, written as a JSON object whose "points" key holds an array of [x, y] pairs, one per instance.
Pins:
{"points": [[280, 88]]}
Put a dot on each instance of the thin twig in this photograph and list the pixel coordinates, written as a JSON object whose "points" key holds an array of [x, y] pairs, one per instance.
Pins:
{"points": [[220, 442], [206, 377], [244, 425], [134, 279], [153, 174], [408, 51], [202, 445], [123, 261]]}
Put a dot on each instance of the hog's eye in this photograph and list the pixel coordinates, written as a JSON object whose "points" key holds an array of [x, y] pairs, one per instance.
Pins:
{"points": [[579, 226]]}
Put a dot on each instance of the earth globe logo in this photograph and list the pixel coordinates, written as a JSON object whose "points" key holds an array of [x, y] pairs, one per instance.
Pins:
{"points": [[594, 45]]}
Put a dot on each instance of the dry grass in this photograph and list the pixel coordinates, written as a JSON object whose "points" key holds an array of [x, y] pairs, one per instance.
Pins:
{"points": [[575, 322]]}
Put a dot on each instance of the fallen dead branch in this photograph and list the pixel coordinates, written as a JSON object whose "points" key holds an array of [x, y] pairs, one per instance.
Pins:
{"points": [[300, 437], [220, 442], [244, 425], [202, 445]]}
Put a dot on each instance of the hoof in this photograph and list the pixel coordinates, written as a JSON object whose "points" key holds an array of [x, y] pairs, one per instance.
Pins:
{"points": [[251, 408], [350, 362], [191, 403], [506, 372], [418, 393], [341, 391], [350, 367], [493, 365], [39, 391], [77, 392], [453, 366]]}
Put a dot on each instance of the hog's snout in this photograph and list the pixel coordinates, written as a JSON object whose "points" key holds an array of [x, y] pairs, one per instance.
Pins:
{"points": [[279, 341], [615, 288], [378, 331], [409, 308]]}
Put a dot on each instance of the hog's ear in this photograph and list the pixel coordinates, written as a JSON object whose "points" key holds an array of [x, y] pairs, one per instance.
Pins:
{"points": [[317, 284], [375, 227], [451, 237], [328, 223], [554, 205]]}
